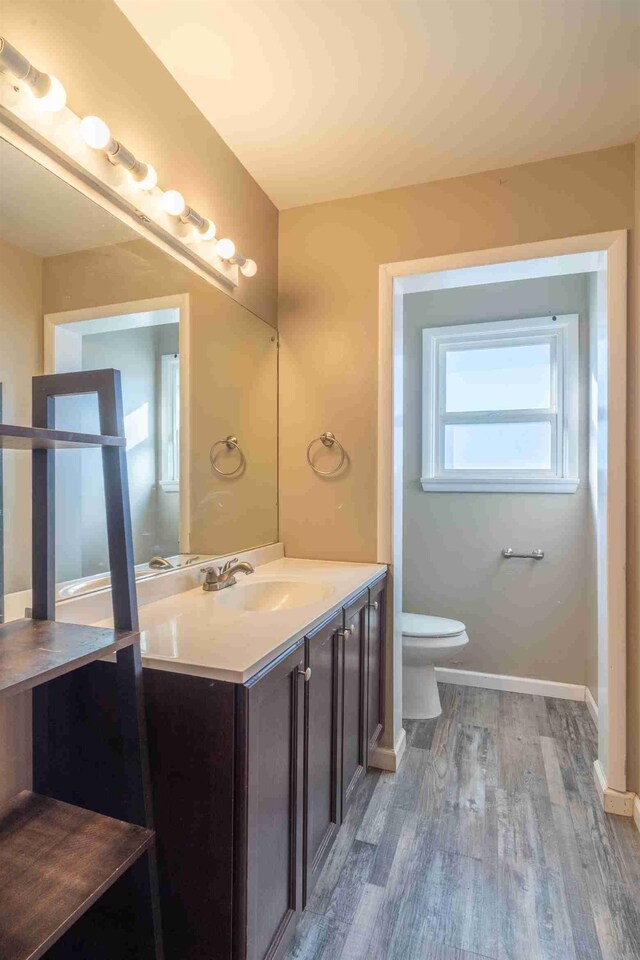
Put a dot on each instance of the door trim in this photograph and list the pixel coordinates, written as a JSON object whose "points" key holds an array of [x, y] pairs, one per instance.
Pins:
{"points": [[613, 733]]}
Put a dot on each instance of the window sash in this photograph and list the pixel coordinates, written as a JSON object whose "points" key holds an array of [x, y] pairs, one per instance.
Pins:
{"points": [[561, 336], [555, 360], [552, 414], [524, 417]]}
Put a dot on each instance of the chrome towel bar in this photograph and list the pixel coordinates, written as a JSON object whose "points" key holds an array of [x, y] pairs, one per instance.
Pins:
{"points": [[509, 554]]}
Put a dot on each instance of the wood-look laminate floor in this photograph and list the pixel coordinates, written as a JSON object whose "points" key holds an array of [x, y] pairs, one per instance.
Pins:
{"points": [[489, 842]]}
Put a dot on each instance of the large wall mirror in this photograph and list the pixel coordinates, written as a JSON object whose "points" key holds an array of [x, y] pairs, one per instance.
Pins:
{"points": [[81, 290]]}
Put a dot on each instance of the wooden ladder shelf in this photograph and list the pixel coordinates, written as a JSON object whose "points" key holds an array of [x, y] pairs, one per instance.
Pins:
{"points": [[57, 858]]}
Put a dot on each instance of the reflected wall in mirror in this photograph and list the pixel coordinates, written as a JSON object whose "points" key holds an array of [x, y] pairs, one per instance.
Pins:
{"points": [[81, 290]]}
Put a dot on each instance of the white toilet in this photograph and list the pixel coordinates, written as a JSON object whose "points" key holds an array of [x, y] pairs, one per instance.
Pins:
{"points": [[426, 640]]}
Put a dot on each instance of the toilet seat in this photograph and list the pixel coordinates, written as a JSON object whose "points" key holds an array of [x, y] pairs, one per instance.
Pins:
{"points": [[423, 626]]}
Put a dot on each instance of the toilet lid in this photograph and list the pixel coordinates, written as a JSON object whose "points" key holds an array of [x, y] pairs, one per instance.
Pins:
{"points": [[422, 625]]}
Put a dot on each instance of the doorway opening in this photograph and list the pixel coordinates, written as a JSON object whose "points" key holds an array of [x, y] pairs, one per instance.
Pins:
{"points": [[146, 341], [462, 316]]}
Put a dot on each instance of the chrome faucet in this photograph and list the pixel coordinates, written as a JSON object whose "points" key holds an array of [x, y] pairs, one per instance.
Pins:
{"points": [[159, 563], [218, 578]]}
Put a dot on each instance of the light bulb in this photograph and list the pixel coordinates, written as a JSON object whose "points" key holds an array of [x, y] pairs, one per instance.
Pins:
{"points": [[225, 248], [173, 202], [54, 99], [95, 133], [209, 233], [249, 268], [149, 180]]}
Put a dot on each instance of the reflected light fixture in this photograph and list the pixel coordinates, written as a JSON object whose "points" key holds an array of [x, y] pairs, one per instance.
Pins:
{"points": [[47, 91], [225, 248], [96, 134], [249, 268]]}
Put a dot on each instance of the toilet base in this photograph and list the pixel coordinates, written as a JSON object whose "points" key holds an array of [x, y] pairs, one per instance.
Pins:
{"points": [[420, 697]]}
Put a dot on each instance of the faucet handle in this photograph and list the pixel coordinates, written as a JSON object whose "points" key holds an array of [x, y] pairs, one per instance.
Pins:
{"points": [[227, 566], [211, 573]]}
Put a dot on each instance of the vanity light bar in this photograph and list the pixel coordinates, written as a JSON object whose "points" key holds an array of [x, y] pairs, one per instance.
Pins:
{"points": [[174, 204], [226, 250], [50, 95], [96, 134], [44, 87]]}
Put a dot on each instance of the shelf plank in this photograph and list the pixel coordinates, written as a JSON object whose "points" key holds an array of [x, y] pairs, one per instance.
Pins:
{"points": [[40, 438], [35, 651], [56, 860]]}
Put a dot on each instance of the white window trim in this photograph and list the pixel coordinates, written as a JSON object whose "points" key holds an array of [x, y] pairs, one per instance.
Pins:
{"points": [[169, 425], [562, 333]]}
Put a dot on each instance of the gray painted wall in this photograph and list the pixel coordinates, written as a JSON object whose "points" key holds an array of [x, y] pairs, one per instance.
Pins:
{"points": [[523, 618]]}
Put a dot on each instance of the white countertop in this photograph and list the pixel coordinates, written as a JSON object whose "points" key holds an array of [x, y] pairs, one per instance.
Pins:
{"points": [[193, 632]]}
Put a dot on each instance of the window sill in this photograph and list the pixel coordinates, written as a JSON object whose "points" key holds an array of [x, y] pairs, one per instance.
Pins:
{"points": [[493, 485], [169, 486]]}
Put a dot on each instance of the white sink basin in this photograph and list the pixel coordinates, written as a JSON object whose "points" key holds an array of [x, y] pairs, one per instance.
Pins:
{"points": [[272, 596]]}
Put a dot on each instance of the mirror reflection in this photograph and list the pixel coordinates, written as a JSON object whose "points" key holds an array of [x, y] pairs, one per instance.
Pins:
{"points": [[79, 290]]}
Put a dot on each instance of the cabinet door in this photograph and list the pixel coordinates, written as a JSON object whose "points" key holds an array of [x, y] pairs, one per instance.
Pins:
{"points": [[273, 816], [354, 645], [322, 759], [375, 662]]}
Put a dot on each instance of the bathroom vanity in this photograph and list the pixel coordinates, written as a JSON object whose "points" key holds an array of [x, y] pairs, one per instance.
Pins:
{"points": [[252, 777], [264, 703]]}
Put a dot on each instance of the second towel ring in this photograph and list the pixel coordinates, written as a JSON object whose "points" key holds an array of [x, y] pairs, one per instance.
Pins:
{"points": [[231, 443], [327, 439]]}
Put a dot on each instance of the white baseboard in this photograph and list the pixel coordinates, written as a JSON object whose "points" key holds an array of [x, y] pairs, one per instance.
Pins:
{"points": [[591, 704], [636, 811], [613, 801], [497, 681], [389, 758]]}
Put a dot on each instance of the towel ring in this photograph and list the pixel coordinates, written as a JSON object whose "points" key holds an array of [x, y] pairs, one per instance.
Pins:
{"points": [[327, 439], [231, 443]]}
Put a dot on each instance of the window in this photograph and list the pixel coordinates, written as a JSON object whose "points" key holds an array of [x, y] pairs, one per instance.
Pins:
{"points": [[500, 406], [170, 422]]}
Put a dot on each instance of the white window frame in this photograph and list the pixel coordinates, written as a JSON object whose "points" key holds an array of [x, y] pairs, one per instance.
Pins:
{"points": [[561, 333], [170, 422]]}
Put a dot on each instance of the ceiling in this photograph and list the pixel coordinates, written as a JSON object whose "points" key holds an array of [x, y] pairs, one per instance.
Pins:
{"points": [[332, 98], [42, 214]]}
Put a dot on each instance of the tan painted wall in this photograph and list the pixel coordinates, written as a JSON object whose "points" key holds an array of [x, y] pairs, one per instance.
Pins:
{"points": [[233, 382], [524, 619], [329, 258], [108, 70], [20, 358], [328, 314], [633, 493]]}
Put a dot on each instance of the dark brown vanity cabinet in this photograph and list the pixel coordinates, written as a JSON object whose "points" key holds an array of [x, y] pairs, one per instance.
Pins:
{"points": [[343, 717], [354, 642], [269, 792], [251, 782], [375, 661], [322, 770]]}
